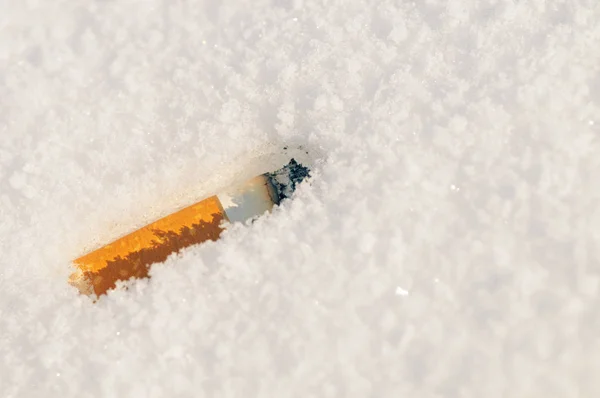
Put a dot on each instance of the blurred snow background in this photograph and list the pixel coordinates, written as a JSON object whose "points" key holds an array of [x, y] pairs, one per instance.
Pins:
{"points": [[447, 245]]}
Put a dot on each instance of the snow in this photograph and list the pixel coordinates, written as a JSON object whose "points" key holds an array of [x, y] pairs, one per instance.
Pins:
{"points": [[445, 246]]}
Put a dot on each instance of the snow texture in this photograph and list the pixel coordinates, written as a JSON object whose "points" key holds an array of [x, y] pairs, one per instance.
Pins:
{"points": [[446, 245]]}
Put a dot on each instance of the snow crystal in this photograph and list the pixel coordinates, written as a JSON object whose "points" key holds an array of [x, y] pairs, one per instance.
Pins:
{"points": [[446, 243]]}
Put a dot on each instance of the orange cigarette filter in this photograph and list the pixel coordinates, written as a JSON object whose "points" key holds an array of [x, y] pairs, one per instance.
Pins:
{"points": [[131, 255]]}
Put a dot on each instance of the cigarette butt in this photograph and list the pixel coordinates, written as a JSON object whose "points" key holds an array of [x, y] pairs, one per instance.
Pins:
{"points": [[132, 255]]}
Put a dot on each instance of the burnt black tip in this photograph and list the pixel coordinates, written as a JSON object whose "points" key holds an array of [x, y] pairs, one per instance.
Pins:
{"points": [[286, 179]]}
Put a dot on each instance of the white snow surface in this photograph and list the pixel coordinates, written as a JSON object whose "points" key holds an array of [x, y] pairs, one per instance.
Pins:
{"points": [[447, 244]]}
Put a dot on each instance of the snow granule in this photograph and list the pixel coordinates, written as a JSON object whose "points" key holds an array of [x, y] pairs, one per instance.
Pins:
{"points": [[446, 245]]}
